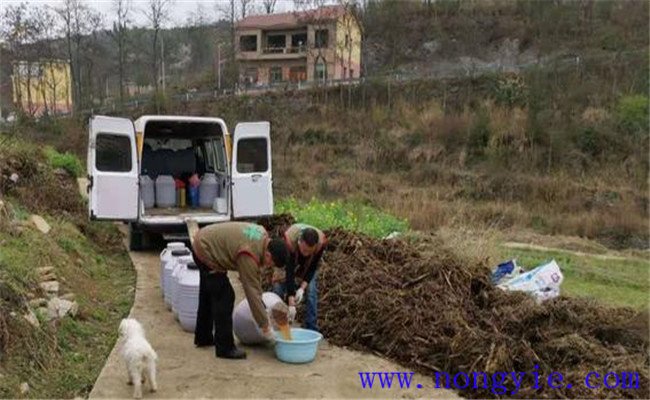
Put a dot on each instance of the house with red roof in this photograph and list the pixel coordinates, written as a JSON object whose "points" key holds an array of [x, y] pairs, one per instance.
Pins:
{"points": [[322, 44]]}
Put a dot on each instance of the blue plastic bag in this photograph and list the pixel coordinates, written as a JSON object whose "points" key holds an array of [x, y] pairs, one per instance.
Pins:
{"points": [[503, 269]]}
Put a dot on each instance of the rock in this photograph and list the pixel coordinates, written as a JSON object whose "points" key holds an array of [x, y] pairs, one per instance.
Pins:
{"points": [[57, 308], [40, 302], [68, 296], [51, 287], [432, 46], [31, 318], [24, 388], [13, 314], [68, 307], [48, 277], [14, 177], [40, 223], [53, 308], [44, 270]]}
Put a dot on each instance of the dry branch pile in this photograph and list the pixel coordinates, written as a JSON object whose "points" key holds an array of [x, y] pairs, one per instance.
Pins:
{"points": [[435, 314]]}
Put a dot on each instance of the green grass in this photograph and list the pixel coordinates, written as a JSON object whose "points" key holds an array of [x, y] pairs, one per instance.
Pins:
{"points": [[615, 282], [348, 215], [66, 161], [62, 360]]}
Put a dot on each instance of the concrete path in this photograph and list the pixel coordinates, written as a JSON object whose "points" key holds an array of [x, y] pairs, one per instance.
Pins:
{"points": [[187, 372]]}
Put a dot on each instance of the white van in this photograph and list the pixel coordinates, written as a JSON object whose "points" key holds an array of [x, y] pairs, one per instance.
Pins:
{"points": [[120, 151]]}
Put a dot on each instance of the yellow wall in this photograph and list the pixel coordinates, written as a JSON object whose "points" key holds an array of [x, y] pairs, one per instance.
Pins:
{"points": [[42, 86], [347, 25]]}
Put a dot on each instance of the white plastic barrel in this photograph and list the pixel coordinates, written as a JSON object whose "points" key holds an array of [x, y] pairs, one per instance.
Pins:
{"points": [[165, 191], [208, 190], [147, 192], [177, 256], [186, 296], [244, 324], [165, 257]]}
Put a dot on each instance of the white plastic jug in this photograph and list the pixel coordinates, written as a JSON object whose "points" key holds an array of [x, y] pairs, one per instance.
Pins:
{"points": [[186, 296], [220, 205], [179, 265], [165, 257], [208, 190], [177, 255], [244, 324], [147, 191], [165, 191]]}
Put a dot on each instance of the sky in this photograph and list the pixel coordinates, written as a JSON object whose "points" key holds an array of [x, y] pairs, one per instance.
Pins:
{"points": [[182, 9]]}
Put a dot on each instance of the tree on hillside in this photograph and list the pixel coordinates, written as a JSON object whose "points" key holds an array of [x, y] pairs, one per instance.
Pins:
{"points": [[228, 9], [348, 28], [45, 34], [17, 31], [269, 5], [245, 7], [157, 12], [119, 35], [79, 22], [312, 11]]}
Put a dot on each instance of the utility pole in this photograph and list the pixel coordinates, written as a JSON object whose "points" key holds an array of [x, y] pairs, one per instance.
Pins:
{"points": [[219, 66], [162, 60]]}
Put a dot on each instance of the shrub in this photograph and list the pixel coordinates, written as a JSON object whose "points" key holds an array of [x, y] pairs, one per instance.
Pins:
{"points": [[479, 134], [66, 161], [509, 90], [632, 113], [348, 215]]}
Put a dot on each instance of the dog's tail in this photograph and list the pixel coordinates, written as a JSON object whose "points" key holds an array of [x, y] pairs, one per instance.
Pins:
{"points": [[150, 356]]}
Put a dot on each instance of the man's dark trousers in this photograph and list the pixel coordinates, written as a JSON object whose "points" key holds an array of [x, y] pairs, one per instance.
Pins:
{"points": [[216, 303]]}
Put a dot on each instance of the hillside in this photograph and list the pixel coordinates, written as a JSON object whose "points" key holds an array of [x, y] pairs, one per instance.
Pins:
{"points": [[64, 289]]}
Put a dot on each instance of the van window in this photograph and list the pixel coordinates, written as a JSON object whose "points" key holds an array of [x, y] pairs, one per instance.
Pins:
{"points": [[252, 155], [220, 155], [113, 153]]}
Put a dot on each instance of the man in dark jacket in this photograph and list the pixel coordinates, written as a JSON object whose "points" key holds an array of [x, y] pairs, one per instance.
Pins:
{"points": [[306, 245]]}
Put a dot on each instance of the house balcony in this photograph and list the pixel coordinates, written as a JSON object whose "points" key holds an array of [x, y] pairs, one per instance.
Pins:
{"points": [[274, 53]]}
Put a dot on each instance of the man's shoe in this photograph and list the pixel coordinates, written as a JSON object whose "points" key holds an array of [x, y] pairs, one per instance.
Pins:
{"points": [[234, 354]]}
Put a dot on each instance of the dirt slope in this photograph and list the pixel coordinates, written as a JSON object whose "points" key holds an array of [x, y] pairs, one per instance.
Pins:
{"points": [[187, 372]]}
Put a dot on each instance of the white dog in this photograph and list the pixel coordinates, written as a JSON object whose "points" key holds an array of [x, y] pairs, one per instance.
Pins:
{"points": [[139, 356]]}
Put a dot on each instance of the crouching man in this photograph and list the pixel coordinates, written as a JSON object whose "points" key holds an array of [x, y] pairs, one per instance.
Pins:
{"points": [[306, 245], [232, 246]]}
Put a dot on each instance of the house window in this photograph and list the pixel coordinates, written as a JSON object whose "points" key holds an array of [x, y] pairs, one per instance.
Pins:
{"points": [[320, 71], [351, 73], [347, 40], [276, 43], [248, 43], [345, 72], [321, 37], [276, 74], [298, 41]]}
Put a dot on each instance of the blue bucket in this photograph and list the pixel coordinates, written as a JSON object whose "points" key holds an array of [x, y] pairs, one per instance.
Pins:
{"points": [[301, 349]]}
